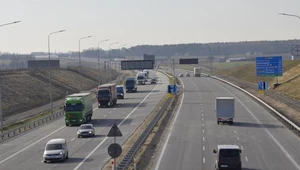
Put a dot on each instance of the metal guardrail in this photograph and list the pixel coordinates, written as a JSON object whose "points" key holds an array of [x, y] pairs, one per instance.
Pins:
{"points": [[17, 131], [125, 162]]}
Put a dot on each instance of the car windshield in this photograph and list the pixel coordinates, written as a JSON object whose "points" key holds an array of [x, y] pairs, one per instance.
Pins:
{"points": [[140, 77], [54, 147], [103, 92], [229, 152], [85, 127], [120, 89], [130, 82], [74, 107]]}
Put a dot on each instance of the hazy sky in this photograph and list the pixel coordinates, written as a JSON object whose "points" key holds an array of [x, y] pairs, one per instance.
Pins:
{"points": [[136, 22]]}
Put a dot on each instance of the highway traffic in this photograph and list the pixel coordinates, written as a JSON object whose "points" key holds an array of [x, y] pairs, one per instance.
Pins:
{"points": [[26, 151], [194, 133]]}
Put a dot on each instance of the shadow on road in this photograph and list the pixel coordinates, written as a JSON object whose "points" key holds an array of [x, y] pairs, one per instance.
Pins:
{"points": [[255, 125], [131, 105], [109, 122]]}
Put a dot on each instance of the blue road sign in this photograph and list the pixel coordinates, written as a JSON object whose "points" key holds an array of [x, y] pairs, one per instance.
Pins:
{"points": [[269, 66], [260, 85]]}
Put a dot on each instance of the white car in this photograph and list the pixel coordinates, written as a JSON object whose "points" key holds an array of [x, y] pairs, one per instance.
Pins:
{"points": [[85, 130], [56, 150]]}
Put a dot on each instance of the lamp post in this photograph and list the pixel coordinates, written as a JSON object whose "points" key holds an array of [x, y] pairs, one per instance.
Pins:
{"points": [[110, 57], [99, 59], [49, 67], [1, 113], [80, 60]]}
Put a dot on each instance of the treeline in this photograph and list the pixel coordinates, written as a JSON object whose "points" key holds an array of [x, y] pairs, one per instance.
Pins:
{"points": [[193, 49]]}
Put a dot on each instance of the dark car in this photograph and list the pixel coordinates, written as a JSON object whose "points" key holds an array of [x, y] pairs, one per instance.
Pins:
{"points": [[229, 157], [120, 92], [153, 81], [85, 130]]}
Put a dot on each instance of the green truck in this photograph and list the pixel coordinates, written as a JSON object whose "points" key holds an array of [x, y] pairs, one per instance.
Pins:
{"points": [[78, 108]]}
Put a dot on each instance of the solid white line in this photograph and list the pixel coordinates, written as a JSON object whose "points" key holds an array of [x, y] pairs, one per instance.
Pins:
{"points": [[246, 158], [268, 132], [203, 160], [169, 134], [31, 145], [94, 150], [204, 148], [72, 139]]}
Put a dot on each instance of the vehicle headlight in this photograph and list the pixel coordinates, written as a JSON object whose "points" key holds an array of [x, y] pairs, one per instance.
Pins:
{"points": [[90, 131], [80, 120], [78, 132], [60, 153]]}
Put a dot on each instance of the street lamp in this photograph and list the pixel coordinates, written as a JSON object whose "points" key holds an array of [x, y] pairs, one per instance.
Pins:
{"points": [[289, 15], [110, 56], [49, 67], [10, 23], [80, 60], [99, 59], [1, 113]]}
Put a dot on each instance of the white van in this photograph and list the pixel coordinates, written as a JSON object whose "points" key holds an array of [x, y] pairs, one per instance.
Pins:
{"points": [[56, 150]]}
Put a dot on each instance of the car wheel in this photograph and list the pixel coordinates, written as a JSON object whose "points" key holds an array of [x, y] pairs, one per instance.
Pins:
{"points": [[78, 136], [45, 161], [67, 157]]}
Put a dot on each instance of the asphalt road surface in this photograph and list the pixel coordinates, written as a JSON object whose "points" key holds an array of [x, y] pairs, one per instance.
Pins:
{"points": [[265, 142], [26, 151]]}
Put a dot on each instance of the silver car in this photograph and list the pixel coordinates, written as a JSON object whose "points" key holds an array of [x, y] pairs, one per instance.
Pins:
{"points": [[85, 130], [56, 150]]}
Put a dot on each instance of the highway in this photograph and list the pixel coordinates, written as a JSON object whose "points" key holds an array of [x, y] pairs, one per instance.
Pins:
{"points": [[25, 152], [265, 142]]}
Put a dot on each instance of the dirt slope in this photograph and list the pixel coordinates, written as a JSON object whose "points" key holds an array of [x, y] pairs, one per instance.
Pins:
{"points": [[26, 89]]}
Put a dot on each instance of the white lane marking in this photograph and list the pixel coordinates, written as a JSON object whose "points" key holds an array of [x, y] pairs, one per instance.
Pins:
{"points": [[203, 160], [94, 150], [109, 111], [268, 132], [161, 154], [204, 148], [202, 110], [203, 138], [238, 138], [242, 148], [202, 114], [246, 158], [31, 145], [114, 109], [234, 131], [104, 115], [203, 130], [202, 124], [202, 119], [72, 139]]}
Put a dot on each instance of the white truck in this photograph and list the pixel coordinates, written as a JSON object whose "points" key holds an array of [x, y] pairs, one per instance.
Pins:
{"points": [[225, 109], [141, 78], [197, 71]]}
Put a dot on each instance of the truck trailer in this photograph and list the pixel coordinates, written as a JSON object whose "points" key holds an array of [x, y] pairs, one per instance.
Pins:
{"points": [[197, 71], [78, 108], [107, 95], [225, 109]]}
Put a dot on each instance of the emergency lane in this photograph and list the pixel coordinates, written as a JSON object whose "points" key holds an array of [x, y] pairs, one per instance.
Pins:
{"points": [[27, 150]]}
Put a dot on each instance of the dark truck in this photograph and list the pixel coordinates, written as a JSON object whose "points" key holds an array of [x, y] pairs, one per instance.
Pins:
{"points": [[107, 95], [130, 84]]}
